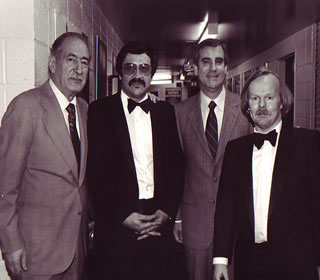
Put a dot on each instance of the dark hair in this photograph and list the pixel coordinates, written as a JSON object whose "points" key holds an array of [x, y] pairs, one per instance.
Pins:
{"points": [[210, 43], [135, 47], [285, 94], [57, 44]]}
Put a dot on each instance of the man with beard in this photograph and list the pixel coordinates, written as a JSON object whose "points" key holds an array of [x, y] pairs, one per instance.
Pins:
{"points": [[268, 199], [206, 122], [135, 173]]}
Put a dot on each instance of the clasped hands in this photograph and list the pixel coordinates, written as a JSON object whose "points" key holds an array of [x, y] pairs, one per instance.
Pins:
{"points": [[145, 225]]}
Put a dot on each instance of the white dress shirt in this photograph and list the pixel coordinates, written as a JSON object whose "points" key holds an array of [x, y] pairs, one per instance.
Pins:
{"points": [[262, 169], [64, 102], [218, 110], [140, 131]]}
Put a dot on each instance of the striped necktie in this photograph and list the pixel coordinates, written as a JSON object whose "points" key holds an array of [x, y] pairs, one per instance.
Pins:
{"points": [[212, 130], [73, 131]]}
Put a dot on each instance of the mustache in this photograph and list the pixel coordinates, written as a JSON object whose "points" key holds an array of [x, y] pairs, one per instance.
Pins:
{"points": [[138, 81], [262, 111]]}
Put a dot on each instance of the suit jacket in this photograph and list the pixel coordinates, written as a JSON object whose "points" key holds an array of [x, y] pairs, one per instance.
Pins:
{"points": [[112, 175], [42, 197], [294, 208], [202, 171]]}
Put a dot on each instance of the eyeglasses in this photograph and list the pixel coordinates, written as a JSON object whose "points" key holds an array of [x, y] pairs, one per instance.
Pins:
{"points": [[131, 68]]}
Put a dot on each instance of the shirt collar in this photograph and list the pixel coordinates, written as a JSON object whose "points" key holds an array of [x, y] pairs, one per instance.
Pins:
{"points": [[277, 128], [219, 100], [62, 100], [125, 98]]}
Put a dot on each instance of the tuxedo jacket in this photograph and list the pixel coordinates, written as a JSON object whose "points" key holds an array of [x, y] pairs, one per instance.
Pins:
{"points": [[294, 207], [112, 174], [202, 171], [43, 198]]}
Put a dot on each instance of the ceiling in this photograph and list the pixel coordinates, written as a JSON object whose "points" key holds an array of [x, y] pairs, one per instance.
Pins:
{"points": [[173, 27]]}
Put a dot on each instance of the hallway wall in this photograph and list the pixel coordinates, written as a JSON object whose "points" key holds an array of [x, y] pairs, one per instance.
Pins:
{"points": [[302, 44]]}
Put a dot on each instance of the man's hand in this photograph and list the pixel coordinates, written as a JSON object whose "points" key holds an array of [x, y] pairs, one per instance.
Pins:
{"points": [[141, 223], [177, 232], [160, 218], [16, 262], [220, 272]]}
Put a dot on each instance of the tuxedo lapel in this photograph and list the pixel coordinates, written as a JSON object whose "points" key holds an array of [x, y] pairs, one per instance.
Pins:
{"points": [[56, 127], [156, 136], [196, 121], [283, 160], [246, 183], [82, 116], [122, 131]]}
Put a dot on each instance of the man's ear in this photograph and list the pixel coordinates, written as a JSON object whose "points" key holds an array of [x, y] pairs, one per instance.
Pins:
{"points": [[52, 64]]}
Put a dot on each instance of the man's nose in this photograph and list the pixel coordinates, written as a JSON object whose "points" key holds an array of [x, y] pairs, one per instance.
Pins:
{"points": [[78, 67], [261, 102], [138, 73], [213, 66]]}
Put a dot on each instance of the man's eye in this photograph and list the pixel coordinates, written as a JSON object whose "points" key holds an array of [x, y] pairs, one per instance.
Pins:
{"points": [[84, 62], [219, 61]]}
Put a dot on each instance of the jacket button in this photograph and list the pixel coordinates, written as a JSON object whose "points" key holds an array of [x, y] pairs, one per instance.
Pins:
{"points": [[212, 200], [214, 179], [80, 213]]}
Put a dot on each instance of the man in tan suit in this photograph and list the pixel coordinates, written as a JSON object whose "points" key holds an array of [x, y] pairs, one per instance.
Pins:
{"points": [[205, 128], [43, 150]]}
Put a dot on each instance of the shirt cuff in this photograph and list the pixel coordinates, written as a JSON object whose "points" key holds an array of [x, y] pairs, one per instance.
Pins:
{"points": [[220, 260]]}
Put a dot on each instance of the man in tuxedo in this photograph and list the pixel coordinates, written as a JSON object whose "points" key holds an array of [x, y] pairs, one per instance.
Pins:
{"points": [[43, 149], [206, 122], [269, 196], [135, 173]]}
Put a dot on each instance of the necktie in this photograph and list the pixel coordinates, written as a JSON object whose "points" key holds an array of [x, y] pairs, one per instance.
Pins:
{"points": [[259, 138], [73, 131], [145, 105], [212, 130]]}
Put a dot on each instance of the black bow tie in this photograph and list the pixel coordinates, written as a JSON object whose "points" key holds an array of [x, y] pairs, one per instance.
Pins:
{"points": [[145, 105], [259, 138]]}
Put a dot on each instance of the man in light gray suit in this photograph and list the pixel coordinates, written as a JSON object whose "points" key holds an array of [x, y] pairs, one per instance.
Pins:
{"points": [[43, 151], [206, 122]]}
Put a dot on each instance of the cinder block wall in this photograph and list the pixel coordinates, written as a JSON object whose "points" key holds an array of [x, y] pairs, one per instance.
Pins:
{"points": [[29, 27], [17, 69]]}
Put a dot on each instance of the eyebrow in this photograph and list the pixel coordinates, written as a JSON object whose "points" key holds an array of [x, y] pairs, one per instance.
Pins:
{"points": [[73, 55]]}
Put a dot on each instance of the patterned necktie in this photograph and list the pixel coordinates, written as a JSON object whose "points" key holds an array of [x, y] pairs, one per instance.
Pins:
{"points": [[212, 130], [259, 138], [145, 105], [73, 131]]}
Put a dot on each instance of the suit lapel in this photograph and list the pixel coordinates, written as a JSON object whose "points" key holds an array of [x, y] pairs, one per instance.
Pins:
{"points": [[230, 116], [82, 115], [56, 127], [283, 160], [196, 121], [122, 131]]}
